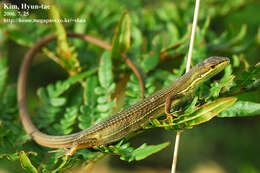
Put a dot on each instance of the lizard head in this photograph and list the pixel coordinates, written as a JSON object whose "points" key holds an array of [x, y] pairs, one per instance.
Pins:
{"points": [[211, 66]]}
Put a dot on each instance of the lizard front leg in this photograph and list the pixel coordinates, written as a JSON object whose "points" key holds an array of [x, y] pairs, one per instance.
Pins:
{"points": [[170, 102]]}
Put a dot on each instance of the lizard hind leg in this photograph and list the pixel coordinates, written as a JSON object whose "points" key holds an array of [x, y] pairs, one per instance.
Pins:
{"points": [[81, 143], [72, 150]]}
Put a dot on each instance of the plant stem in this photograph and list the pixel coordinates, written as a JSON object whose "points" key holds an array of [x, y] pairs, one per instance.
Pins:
{"points": [[178, 135], [195, 19], [175, 153]]}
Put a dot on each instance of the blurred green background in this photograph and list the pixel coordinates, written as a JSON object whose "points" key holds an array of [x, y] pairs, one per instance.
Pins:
{"points": [[221, 145]]}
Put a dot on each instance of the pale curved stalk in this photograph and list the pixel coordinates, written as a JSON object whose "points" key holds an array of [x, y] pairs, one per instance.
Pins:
{"points": [[178, 134]]}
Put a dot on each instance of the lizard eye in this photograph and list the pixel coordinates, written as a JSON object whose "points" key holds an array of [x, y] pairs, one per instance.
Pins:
{"points": [[213, 66]]}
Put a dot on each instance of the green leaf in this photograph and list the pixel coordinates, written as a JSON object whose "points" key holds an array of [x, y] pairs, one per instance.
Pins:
{"points": [[75, 96], [227, 42], [206, 112], [21, 38], [105, 74], [174, 34], [136, 35], [192, 105], [68, 57], [258, 36], [63, 160], [206, 25], [58, 101], [57, 89], [86, 117], [103, 107], [12, 157], [26, 163], [79, 76], [241, 109], [59, 29], [121, 39], [128, 153], [10, 98], [151, 60], [169, 12], [106, 78], [68, 120], [201, 115], [90, 96], [247, 78], [3, 73], [80, 27], [240, 35], [133, 91], [226, 83], [146, 150]]}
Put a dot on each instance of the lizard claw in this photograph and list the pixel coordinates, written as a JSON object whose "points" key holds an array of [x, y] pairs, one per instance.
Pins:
{"points": [[170, 114], [58, 150], [65, 151]]}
